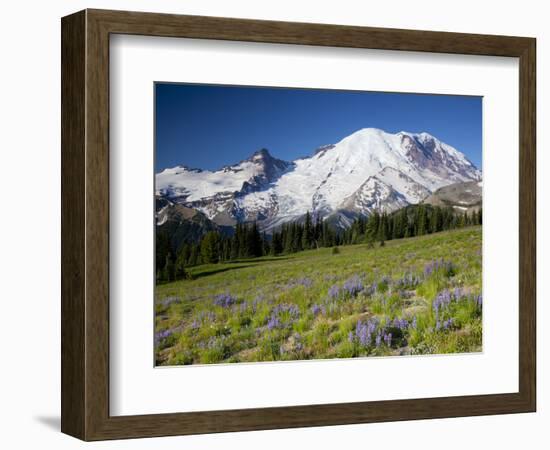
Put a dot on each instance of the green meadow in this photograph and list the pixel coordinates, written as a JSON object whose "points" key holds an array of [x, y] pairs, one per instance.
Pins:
{"points": [[412, 296]]}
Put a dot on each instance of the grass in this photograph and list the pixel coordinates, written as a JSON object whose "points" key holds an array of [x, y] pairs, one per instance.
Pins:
{"points": [[413, 296]]}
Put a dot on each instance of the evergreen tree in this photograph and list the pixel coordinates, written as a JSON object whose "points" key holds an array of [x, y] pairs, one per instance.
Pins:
{"points": [[307, 235], [253, 241], [162, 248], [372, 228], [421, 221], [210, 248], [288, 234], [179, 272], [461, 220], [438, 220], [383, 227], [194, 257], [276, 244], [169, 269], [266, 245]]}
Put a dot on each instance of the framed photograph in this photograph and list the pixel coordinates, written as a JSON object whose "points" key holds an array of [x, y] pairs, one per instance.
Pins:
{"points": [[273, 225]]}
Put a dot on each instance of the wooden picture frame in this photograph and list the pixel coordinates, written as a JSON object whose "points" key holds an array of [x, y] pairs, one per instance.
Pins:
{"points": [[85, 224]]}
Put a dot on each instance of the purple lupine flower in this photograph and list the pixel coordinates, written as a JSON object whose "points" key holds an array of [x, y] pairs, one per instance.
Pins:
{"points": [[378, 340], [437, 325], [224, 300], [382, 284], [407, 281], [414, 323], [306, 282], [361, 333], [317, 309], [353, 286], [429, 268], [283, 315], [457, 294], [447, 323], [401, 324], [387, 339], [442, 300], [436, 265], [372, 324], [273, 322], [161, 336], [334, 291], [479, 300]]}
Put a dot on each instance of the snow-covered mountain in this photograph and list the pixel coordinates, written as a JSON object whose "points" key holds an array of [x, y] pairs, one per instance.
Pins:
{"points": [[366, 171]]}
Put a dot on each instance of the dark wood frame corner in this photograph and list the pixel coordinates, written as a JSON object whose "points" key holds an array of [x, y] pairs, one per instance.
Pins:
{"points": [[85, 224]]}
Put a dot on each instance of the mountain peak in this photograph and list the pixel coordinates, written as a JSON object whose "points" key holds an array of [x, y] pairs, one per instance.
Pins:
{"points": [[369, 130], [422, 134], [263, 153]]}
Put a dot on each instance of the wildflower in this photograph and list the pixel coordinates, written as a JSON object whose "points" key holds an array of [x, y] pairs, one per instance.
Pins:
{"points": [[283, 315], [408, 281], [224, 300], [457, 294], [353, 286], [317, 309], [436, 265], [273, 323], [378, 340], [334, 291], [447, 324], [441, 301], [401, 324], [361, 333], [161, 336], [387, 339], [306, 282]]}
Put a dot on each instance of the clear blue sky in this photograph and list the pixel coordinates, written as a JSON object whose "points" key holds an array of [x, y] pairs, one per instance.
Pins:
{"points": [[207, 127]]}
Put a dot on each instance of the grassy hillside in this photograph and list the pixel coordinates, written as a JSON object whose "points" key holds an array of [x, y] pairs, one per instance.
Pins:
{"points": [[413, 296]]}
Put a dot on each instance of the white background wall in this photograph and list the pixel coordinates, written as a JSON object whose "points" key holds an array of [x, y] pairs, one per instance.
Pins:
{"points": [[30, 223]]}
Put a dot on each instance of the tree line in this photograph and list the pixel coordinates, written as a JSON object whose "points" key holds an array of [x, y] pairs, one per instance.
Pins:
{"points": [[410, 221], [309, 233]]}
